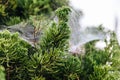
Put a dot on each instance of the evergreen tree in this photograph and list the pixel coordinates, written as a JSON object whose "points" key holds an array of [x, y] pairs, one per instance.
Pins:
{"points": [[13, 54], [57, 35], [100, 64], [51, 60]]}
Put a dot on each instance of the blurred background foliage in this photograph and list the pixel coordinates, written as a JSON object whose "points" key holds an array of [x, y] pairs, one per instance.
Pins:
{"points": [[22, 9]]}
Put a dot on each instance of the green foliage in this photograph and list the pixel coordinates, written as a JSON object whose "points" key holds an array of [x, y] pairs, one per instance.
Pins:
{"points": [[68, 69], [38, 78], [100, 64], [62, 13], [57, 35], [99, 73], [24, 8], [53, 66], [7, 6], [32, 7], [2, 10], [42, 64], [51, 60], [54, 4], [13, 53], [2, 74], [13, 20], [8, 9]]}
